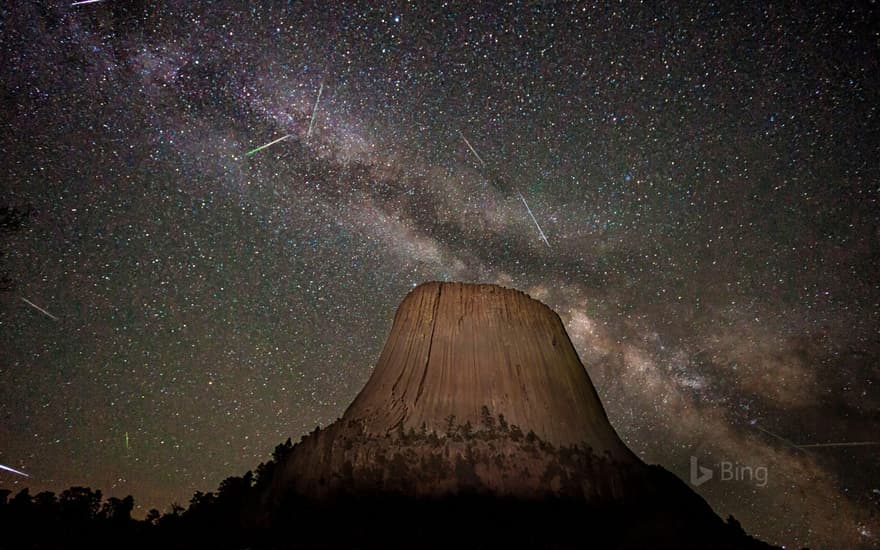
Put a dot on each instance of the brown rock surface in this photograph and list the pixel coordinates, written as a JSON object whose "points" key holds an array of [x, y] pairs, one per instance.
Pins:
{"points": [[455, 348], [480, 428]]}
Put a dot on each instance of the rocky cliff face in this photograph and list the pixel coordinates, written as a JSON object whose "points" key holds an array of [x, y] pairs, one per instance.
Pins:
{"points": [[456, 348], [480, 404], [477, 390]]}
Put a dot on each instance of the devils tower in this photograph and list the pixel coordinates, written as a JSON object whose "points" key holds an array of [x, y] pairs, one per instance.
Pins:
{"points": [[455, 348], [480, 407]]}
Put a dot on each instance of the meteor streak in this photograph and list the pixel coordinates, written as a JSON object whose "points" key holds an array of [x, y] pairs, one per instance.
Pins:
{"points": [[85, 2], [38, 308], [817, 445], [315, 111], [779, 437], [474, 151], [14, 471], [534, 220], [853, 444], [261, 147], [523, 199]]}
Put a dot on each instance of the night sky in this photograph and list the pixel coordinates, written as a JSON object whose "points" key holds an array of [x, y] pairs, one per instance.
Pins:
{"points": [[706, 178]]}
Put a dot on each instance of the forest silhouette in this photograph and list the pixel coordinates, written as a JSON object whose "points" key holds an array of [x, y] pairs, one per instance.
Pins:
{"points": [[80, 517]]}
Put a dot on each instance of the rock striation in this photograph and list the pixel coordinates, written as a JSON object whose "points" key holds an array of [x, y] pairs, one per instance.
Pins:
{"points": [[455, 349]]}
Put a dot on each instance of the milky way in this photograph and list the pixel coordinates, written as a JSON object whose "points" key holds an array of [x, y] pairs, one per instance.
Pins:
{"points": [[706, 179]]}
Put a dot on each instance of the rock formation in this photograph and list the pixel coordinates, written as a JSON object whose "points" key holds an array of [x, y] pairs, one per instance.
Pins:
{"points": [[456, 348], [479, 393]]}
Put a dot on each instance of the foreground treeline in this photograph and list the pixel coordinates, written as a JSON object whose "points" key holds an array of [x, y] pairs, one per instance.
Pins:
{"points": [[80, 518]]}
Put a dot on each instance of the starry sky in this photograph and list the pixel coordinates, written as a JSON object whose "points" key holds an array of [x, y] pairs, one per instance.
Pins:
{"points": [[706, 177]]}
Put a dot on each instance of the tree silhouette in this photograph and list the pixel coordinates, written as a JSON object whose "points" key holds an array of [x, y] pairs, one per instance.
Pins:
{"points": [[467, 430], [80, 504], [118, 510], [487, 420], [281, 451], [232, 497], [171, 519], [21, 503], [450, 424], [152, 518], [502, 423], [46, 506], [515, 433]]}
